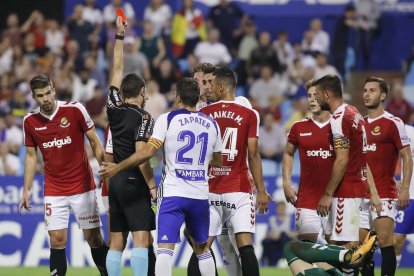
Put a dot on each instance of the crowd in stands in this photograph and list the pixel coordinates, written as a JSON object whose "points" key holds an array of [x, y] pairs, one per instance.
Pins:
{"points": [[166, 45]]}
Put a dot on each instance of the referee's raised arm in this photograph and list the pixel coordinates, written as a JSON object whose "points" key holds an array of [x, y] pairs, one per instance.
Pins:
{"points": [[118, 62]]}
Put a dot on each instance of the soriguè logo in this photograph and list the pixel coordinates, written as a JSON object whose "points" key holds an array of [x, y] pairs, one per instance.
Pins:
{"points": [[57, 143], [319, 153]]}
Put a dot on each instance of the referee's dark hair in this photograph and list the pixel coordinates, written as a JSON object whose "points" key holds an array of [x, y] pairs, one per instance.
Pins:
{"points": [[227, 75], [330, 83], [39, 81], [131, 85], [189, 92]]}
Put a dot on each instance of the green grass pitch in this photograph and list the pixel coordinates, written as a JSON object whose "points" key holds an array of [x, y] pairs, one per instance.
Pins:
{"points": [[41, 271]]}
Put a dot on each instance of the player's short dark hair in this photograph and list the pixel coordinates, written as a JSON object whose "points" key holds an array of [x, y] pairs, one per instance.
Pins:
{"points": [[226, 74], [189, 92], [383, 85], [39, 81], [204, 67], [331, 83], [131, 85], [310, 83]]}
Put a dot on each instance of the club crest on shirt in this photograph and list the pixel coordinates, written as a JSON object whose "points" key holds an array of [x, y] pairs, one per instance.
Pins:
{"points": [[64, 122], [376, 131]]}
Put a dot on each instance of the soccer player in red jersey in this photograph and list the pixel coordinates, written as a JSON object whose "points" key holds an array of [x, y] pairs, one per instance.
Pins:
{"points": [[312, 137], [57, 129], [387, 140], [347, 184], [231, 197]]}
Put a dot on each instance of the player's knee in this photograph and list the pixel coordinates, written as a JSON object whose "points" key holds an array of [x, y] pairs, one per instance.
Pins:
{"points": [[94, 237], [58, 240], [399, 241], [200, 248], [385, 240]]}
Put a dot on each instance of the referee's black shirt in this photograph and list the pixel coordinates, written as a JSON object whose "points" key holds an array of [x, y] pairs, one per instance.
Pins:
{"points": [[128, 124]]}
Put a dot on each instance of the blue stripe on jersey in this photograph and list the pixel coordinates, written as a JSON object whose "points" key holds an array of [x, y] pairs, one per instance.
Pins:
{"points": [[211, 120], [174, 113]]}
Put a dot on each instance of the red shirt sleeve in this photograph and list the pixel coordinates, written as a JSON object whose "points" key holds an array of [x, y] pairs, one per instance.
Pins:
{"points": [[84, 120], [293, 135], [253, 130], [399, 135], [28, 138]]}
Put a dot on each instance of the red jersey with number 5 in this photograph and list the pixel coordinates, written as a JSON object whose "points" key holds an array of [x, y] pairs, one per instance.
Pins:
{"points": [[237, 124], [60, 139]]}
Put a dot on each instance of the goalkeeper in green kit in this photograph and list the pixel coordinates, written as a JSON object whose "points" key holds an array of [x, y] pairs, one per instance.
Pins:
{"points": [[312, 259]]}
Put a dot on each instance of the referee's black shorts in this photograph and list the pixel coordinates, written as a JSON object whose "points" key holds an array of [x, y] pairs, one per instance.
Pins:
{"points": [[130, 204]]}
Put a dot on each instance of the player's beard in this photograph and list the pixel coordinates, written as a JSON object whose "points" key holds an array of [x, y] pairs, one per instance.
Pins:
{"points": [[324, 106], [47, 107], [374, 104], [210, 96]]}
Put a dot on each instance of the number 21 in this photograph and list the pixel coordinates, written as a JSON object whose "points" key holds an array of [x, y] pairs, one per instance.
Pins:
{"points": [[189, 136]]}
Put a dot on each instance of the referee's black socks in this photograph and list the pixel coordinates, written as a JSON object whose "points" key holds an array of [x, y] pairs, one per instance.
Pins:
{"points": [[99, 257], [249, 263], [57, 264]]}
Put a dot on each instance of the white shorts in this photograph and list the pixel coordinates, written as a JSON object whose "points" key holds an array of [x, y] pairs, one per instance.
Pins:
{"points": [[84, 206], [308, 221], [367, 216], [343, 221], [236, 208], [105, 201]]}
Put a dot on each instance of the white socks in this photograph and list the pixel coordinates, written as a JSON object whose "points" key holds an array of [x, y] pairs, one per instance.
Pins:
{"points": [[206, 264], [163, 266], [398, 260]]}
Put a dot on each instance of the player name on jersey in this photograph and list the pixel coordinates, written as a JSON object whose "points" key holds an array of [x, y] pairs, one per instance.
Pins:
{"points": [[228, 115], [196, 120]]}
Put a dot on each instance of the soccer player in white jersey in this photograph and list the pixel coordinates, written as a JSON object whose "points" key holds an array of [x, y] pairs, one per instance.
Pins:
{"points": [[404, 221], [191, 142], [311, 137], [57, 129], [387, 140]]}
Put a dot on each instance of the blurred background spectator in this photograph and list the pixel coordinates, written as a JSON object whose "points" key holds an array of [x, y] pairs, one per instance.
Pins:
{"points": [[279, 232], [397, 105], [272, 140], [159, 14], [135, 62], [368, 16], [188, 28], [226, 17], [212, 51], [151, 45]]}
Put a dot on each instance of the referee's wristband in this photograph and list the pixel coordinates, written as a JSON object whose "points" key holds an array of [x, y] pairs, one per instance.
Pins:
{"points": [[120, 37], [153, 188]]}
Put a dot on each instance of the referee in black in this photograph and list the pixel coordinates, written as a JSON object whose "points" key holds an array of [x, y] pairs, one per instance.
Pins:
{"points": [[130, 191]]}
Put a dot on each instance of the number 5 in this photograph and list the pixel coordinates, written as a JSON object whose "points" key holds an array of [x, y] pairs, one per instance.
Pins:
{"points": [[48, 209]]}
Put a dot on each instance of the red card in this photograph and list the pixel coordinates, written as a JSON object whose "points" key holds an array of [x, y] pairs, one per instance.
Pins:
{"points": [[121, 14]]}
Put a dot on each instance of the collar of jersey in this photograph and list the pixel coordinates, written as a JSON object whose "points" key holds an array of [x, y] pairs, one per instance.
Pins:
{"points": [[51, 116], [370, 120]]}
